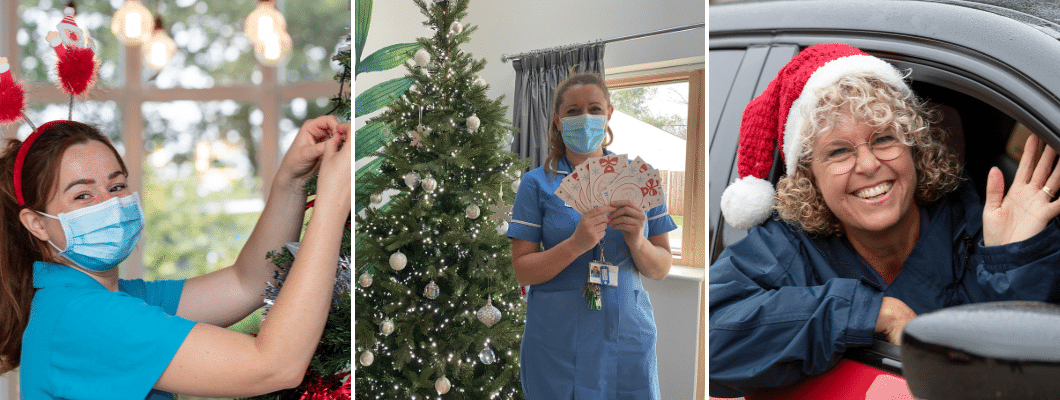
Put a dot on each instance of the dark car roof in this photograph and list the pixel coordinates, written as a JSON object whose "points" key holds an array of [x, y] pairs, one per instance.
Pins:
{"points": [[999, 43]]}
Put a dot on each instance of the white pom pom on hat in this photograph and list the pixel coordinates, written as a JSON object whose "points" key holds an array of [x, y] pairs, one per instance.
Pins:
{"points": [[778, 116]]}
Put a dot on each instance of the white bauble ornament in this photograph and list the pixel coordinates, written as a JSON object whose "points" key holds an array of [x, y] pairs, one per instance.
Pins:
{"points": [[456, 28], [412, 179], [422, 57], [366, 358], [387, 327], [480, 82], [429, 184], [502, 229], [442, 385], [473, 123], [472, 211], [398, 261], [376, 198], [365, 280], [487, 356], [515, 185], [489, 314]]}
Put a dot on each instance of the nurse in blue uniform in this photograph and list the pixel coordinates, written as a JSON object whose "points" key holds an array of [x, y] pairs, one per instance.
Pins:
{"points": [[570, 351], [69, 217]]}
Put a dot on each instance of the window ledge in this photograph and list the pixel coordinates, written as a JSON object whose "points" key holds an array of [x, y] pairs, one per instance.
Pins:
{"points": [[687, 273]]}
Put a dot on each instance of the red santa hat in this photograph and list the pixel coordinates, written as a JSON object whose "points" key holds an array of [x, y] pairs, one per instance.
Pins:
{"points": [[778, 117]]}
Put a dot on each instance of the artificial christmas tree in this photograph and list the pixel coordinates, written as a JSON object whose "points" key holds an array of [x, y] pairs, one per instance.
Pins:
{"points": [[438, 309]]}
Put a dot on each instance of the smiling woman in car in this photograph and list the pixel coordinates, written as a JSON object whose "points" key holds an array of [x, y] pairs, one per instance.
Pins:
{"points": [[873, 224]]}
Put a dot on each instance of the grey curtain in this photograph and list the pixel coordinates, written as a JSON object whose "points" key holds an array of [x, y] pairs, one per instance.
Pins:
{"points": [[536, 76]]}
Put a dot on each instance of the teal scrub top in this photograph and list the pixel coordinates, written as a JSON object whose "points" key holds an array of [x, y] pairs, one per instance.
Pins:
{"points": [[86, 342], [569, 351]]}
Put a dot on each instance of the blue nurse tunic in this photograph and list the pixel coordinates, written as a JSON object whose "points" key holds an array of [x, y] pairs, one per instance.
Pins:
{"points": [[86, 342], [569, 351]]}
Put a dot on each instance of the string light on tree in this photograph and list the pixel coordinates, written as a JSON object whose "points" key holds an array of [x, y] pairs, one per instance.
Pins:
{"points": [[132, 24]]}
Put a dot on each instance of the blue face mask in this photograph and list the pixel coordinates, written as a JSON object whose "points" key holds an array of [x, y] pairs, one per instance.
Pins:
{"points": [[584, 133], [100, 236]]}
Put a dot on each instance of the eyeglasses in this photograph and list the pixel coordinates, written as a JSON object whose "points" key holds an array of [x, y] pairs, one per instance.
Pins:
{"points": [[839, 156]]}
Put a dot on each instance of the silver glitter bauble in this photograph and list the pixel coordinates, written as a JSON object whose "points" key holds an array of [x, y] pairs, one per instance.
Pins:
{"points": [[398, 261], [376, 198], [412, 179], [473, 211], [456, 28], [431, 291], [366, 358], [502, 229], [429, 184], [365, 280], [480, 82], [442, 385], [489, 314], [387, 327]]}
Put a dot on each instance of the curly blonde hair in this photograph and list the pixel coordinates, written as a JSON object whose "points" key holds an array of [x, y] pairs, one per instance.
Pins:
{"points": [[865, 98]]}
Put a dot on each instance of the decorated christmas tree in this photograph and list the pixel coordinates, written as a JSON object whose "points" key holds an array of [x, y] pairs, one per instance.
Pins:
{"points": [[439, 314], [328, 375]]}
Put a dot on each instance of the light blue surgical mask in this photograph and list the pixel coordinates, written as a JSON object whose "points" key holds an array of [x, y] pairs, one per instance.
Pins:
{"points": [[584, 133], [101, 236]]}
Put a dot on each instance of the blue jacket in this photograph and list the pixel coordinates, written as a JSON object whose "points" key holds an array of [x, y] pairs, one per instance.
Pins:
{"points": [[785, 305]]}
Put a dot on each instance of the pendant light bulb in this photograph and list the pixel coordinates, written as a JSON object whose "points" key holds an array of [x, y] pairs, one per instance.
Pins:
{"points": [[264, 22], [132, 24], [159, 49], [274, 50]]}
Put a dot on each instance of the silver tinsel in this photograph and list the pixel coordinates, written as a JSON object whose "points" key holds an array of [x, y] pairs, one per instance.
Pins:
{"points": [[343, 275]]}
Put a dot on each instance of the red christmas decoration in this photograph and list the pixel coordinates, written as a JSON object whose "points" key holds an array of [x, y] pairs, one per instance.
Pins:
{"points": [[12, 94]]}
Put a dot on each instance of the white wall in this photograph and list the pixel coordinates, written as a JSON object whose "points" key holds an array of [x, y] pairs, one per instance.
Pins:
{"points": [[516, 26]]}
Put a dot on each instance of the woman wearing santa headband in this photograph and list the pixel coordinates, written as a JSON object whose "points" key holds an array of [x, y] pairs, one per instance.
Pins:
{"points": [[68, 217], [569, 349], [874, 224]]}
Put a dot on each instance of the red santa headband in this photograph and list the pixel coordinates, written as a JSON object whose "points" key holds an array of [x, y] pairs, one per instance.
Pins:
{"points": [[778, 117], [76, 66]]}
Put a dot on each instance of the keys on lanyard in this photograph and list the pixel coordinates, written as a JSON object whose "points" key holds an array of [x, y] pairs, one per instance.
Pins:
{"points": [[600, 273]]}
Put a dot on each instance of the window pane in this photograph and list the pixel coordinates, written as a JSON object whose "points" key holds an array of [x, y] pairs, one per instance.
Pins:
{"points": [[202, 190], [651, 122], [211, 47], [316, 27], [105, 116], [38, 17]]}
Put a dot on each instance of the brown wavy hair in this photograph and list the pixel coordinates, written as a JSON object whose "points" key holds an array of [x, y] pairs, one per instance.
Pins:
{"points": [[556, 148], [19, 249], [867, 99]]}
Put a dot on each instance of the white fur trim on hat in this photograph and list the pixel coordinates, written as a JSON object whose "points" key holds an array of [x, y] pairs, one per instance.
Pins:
{"points": [[747, 202], [830, 73]]}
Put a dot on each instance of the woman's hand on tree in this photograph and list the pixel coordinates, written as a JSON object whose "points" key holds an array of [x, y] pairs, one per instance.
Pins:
{"points": [[1028, 207], [303, 157], [333, 183], [894, 314]]}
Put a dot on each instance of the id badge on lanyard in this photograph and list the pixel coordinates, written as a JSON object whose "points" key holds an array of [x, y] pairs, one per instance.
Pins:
{"points": [[600, 273]]}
